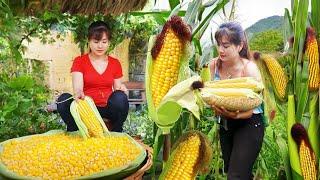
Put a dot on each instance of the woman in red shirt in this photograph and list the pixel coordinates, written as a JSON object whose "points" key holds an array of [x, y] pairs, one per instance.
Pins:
{"points": [[99, 76]]}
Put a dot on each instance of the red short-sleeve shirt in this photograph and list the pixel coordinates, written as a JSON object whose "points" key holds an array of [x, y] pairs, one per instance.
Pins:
{"points": [[97, 86]]}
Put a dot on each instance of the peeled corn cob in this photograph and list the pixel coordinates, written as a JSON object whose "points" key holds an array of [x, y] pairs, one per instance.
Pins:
{"points": [[313, 56], [61, 156], [243, 82], [231, 99], [306, 154], [166, 55], [192, 154], [88, 118]]}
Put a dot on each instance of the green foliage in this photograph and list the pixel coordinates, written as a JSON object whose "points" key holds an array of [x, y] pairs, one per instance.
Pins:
{"points": [[267, 41], [139, 124], [269, 23]]}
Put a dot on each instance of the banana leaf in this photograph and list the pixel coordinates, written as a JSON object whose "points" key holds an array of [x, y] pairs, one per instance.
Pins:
{"points": [[178, 97], [293, 149], [114, 173]]}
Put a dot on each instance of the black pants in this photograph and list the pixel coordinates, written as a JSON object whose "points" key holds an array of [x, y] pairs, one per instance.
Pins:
{"points": [[241, 141], [116, 110]]}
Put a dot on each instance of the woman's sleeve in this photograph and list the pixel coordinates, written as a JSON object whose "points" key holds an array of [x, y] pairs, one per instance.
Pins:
{"points": [[118, 70], [77, 65]]}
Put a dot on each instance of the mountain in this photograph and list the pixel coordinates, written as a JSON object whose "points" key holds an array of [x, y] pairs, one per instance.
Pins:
{"points": [[272, 22]]}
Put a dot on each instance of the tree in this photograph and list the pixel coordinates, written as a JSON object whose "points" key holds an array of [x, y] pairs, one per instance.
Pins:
{"points": [[267, 41]]}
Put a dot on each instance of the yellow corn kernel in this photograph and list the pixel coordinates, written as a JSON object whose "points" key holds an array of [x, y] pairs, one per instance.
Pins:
{"points": [[278, 75], [166, 67], [313, 56], [307, 162], [185, 159], [89, 118], [61, 156]]}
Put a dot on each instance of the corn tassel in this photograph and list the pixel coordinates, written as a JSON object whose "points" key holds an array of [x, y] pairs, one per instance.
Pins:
{"points": [[306, 154], [313, 57], [279, 77], [166, 55]]}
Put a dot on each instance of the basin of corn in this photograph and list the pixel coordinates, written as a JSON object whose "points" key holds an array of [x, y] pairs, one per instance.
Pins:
{"points": [[63, 155]]}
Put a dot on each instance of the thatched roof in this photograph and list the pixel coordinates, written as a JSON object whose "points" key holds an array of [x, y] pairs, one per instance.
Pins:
{"points": [[85, 7]]}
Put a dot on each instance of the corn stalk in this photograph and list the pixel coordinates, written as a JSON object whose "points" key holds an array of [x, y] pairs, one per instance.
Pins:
{"points": [[302, 102]]}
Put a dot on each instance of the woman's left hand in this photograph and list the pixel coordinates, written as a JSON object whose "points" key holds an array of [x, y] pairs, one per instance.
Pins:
{"points": [[224, 112]]}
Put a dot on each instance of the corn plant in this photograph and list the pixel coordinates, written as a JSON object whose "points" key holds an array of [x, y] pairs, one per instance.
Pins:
{"points": [[303, 85]]}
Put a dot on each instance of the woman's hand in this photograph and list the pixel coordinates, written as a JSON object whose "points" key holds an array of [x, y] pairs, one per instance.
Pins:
{"points": [[78, 95], [223, 112]]}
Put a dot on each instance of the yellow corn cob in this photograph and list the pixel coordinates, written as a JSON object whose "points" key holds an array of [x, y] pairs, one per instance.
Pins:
{"points": [[307, 162], [278, 75], [313, 56], [61, 156], [192, 154], [89, 118], [166, 66], [232, 99], [249, 83], [185, 160]]}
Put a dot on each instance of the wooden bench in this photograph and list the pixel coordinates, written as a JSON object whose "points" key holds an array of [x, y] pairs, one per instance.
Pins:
{"points": [[137, 94]]}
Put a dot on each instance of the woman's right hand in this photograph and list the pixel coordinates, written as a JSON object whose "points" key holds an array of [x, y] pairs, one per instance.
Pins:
{"points": [[78, 95]]}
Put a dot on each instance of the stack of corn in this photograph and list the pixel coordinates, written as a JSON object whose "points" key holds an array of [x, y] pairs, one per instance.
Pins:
{"points": [[191, 154], [239, 94], [306, 154], [166, 53], [62, 156], [88, 118], [312, 52]]}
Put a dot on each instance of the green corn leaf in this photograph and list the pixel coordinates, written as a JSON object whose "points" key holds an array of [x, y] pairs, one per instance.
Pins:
{"points": [[173, 3], [218, 7], [158, 141], [191, 13], [302, 94], [313, 129], [283, 148], [175, 11], [287, 26], [315, 14], [293, 149]]}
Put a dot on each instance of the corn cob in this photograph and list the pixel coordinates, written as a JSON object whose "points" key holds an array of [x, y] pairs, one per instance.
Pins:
{"points": [[192, 154], [166, 55], [306, 154], [244, 82], [313, 56], [231, 99], [87, 118], [62, 156], [279, 77]]}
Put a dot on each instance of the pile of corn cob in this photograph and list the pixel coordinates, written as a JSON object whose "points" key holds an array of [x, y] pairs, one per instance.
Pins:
{"points": [[62, 156], [233, 94]]}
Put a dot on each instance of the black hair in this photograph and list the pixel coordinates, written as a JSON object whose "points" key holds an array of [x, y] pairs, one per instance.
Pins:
{"points": [[96, 30], [236, 35]]}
